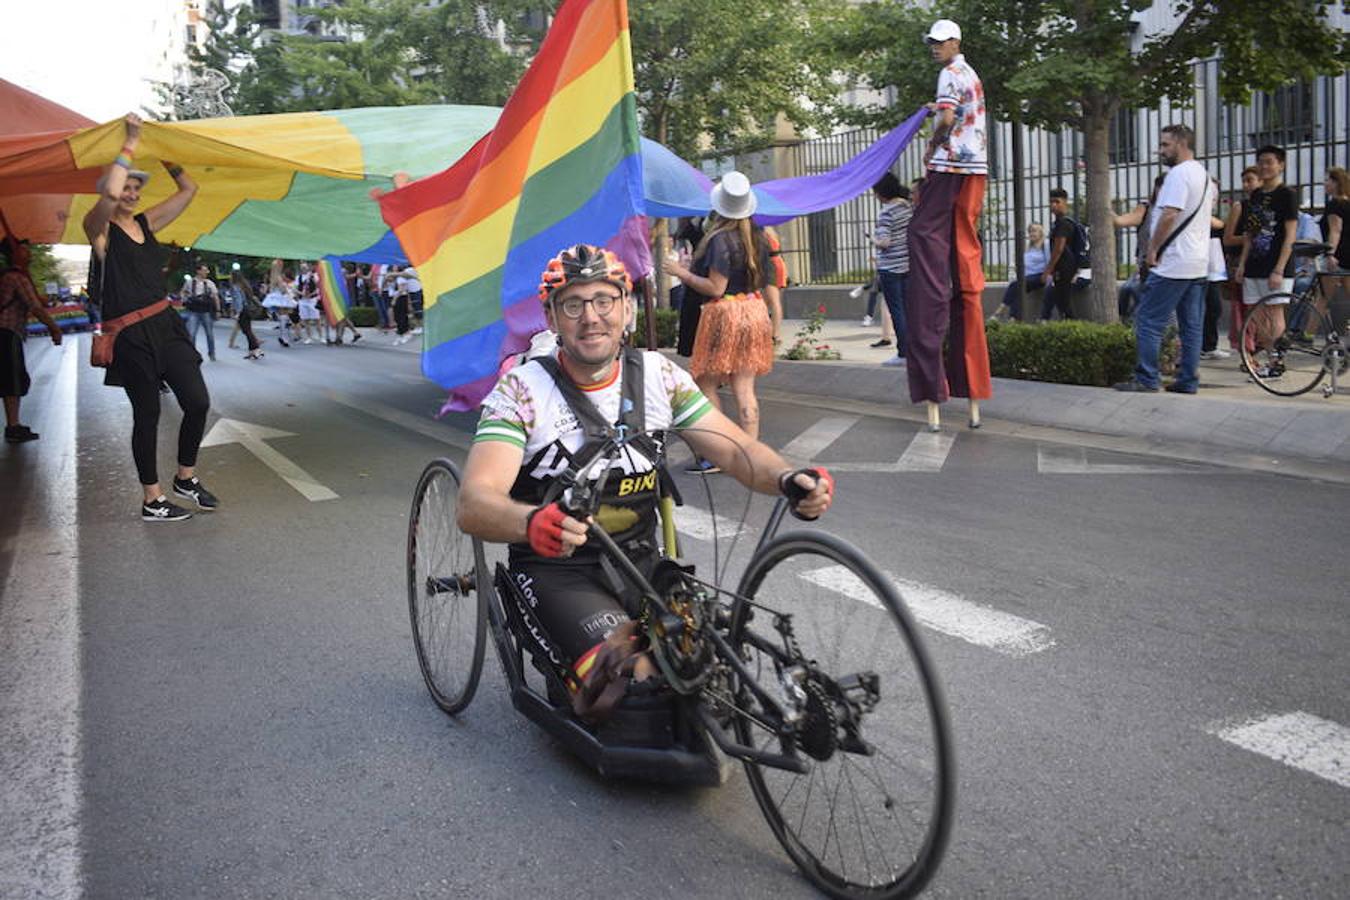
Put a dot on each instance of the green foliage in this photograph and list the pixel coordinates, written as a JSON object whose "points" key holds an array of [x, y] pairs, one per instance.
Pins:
{"points": [[43, 266], [723, 71], [1061, 352], [408, 53], [806, 343], [363, 316], [667, 326]]}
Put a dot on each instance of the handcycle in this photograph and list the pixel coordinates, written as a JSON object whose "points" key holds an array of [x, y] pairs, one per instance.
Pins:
{"points": [[1308, 349], [811, 672]]}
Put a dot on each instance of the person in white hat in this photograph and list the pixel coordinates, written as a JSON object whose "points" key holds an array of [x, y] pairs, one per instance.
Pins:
{"points": [[942, 304], [733, 267]]}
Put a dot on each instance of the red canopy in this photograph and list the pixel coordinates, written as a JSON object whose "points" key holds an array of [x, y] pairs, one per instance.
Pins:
{"points": [[27, 124]]}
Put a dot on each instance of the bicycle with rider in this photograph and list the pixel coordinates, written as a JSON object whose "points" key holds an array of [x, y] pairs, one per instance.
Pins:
{"points": [[542, 417]]}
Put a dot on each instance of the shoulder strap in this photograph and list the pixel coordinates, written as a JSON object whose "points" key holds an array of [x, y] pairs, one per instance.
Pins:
{"points": [[1167, 241], [592, 422]]}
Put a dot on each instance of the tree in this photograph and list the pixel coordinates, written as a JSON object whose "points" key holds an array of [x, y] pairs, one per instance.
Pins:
{"points": [[1070, 63], [44, 267]]}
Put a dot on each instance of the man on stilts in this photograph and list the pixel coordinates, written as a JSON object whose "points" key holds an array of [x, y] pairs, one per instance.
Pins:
{"points": [[946, 277]]}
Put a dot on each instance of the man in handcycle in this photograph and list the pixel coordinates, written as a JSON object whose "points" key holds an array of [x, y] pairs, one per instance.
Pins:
{"points": [[546, 415]]}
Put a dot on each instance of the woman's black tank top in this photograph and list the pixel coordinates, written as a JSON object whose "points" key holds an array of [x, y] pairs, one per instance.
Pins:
{"points": [[133, 274]]}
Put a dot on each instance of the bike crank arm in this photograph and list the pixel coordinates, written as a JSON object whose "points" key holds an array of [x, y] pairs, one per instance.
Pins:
{"points": [[747, 754]]}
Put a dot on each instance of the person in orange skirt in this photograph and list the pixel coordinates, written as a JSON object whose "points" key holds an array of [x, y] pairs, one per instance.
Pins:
{"points": [[946, 279], [738, 326]]}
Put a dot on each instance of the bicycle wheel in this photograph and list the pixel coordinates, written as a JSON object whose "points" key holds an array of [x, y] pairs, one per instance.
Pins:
{"points": [[1282, 342], [872, 815], [448, 607]]}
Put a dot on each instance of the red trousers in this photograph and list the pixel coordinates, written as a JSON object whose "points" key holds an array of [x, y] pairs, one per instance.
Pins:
{"points": [[943, 310]]}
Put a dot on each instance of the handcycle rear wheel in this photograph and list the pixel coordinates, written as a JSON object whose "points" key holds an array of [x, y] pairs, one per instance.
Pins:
{"points": [[1288, 363], [871, 817], [446, 571]]}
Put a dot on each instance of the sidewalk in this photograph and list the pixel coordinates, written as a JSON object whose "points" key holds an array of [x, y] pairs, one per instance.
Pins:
{"points": [[1229, 411]]}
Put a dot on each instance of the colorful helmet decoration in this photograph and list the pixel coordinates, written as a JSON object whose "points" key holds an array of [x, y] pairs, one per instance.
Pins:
{"points": [[581, 264]]}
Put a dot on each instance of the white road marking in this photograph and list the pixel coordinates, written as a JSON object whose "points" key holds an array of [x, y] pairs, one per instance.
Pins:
{"points": [[253, 437], [426, 426], [40, 665], [1074, 461], [1297, 739], [927, 452], [805, 446], [948, 613], [698, 524]]}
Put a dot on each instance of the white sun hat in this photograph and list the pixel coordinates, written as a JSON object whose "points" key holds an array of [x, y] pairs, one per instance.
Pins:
{"points": [[732, 197], [943, 30]]}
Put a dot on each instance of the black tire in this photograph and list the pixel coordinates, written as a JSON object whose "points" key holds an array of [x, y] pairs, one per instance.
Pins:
{"points": [[848, 619], [1289, 364], [446, 571]]}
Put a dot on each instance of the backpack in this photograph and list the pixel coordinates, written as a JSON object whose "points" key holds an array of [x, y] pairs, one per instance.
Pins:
{"points": [[1081, 245]]}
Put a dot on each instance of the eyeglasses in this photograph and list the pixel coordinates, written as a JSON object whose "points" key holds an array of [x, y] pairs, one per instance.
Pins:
{"points": [[572, 307]]}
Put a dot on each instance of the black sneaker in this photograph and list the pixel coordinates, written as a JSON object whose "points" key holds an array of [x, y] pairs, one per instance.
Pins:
{"points": [[704, 467], [18, 434], [356, 337], [161, 510], [195, 491], [1134, 387]]}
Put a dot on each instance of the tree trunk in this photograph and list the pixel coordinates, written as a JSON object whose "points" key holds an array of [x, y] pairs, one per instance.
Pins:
{"points": [[1097, 114], [660, 235], [1019, 210]]}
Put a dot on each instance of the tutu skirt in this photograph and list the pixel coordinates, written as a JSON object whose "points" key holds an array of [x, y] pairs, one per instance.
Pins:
{"points": [[734, 336], [278, 300], [309, 311]]}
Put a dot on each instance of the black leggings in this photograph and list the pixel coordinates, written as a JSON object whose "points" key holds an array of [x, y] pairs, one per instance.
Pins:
{"points": [[1213, 311], [401, 314], [183, 374], [246, 326]]}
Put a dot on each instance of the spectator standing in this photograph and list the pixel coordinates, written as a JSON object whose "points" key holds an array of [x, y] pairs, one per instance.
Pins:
{"points": [[1267, 262], [1336, 222], [249, 309], [18, 299], [1138, 219], [1178, 260], [891, 240], [151, 343], [1215, 280], [201, 299], [1232, 248], [409, 284], [1062, 268], [944, 316], [1035, 263], [402, 307], [739, 323]]}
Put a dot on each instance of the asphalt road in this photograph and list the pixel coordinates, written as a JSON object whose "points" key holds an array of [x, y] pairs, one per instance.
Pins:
{"points": [[243, 716]]}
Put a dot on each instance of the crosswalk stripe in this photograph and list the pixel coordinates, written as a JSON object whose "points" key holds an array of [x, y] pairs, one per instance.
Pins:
{"points": [[427, 427], [1297, 739], [948, 613], [698, 524], [1074, 461], [805, 446], [927, 452]]}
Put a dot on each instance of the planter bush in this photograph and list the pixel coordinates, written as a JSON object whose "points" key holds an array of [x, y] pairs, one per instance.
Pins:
{"points": [[363, 316], [1086, 353], [667, 323]]}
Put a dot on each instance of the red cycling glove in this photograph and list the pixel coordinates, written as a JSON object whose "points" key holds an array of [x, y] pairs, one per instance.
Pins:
{"points": [[544, 528], [795, 493]]}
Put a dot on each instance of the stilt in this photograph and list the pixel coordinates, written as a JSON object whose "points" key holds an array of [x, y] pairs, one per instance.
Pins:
{"points": [[974, 413], [934, 416]]}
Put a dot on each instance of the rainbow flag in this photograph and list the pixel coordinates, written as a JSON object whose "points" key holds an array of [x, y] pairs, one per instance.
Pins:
{"points": [[333, 289], [563, 165]]}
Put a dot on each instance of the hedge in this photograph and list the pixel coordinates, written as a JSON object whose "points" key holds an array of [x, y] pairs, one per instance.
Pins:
{"points": [[1067, 352], [667, 324], [363, 316]]}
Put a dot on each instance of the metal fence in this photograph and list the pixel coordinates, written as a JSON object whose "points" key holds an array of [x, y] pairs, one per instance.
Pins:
{"points": [[1310, 119]]}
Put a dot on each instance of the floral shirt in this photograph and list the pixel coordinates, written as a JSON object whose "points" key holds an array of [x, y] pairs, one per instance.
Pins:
{"points": [[966, 150], [17, 299]]}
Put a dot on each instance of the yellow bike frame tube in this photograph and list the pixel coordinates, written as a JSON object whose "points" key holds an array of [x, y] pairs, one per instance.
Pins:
{"points": [[666, 507]]}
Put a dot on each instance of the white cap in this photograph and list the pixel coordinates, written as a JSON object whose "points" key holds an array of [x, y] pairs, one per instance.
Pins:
{"points": [[733, 198], [943, 30]]}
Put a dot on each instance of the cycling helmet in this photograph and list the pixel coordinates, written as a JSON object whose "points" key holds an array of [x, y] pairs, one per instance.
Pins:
{"points": [[581, 264]]}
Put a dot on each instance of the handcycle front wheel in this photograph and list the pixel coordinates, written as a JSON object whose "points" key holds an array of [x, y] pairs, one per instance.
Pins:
{"points": [[872, 815], [1283, 339], [446, 572]]}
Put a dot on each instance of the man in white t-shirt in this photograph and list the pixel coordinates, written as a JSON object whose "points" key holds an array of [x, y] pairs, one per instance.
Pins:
{"points": [[1178, 261]]}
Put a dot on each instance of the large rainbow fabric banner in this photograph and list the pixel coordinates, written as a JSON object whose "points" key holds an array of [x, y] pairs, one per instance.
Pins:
{"points": [[333, 289], [563, 165]]}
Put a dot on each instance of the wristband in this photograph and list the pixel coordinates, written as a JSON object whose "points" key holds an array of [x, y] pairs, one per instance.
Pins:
{"points": [[543, 527], [122, 161], [175, 171]]}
